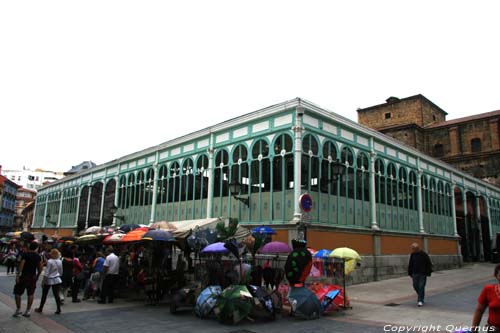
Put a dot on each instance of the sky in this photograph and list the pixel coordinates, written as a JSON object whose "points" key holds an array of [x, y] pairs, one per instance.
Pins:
{"points": [[97, 80]]}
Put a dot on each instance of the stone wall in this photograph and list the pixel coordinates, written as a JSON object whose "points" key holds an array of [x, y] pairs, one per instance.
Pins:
{"points": [[375, 268]]}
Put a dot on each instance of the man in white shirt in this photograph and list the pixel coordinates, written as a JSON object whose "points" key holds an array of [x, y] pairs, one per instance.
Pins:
{"points": [[111, 270]]}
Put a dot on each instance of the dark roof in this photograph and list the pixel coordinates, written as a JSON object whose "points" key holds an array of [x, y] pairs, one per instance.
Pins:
{"points": [[466, 119], [85, 165], [395, 100]]}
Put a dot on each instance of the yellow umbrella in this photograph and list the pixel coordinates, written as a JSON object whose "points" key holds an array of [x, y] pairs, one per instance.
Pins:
{"points": [[350, 256]]}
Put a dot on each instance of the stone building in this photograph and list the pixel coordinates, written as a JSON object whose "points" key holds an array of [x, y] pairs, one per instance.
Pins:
{"points": [[471, 144]]}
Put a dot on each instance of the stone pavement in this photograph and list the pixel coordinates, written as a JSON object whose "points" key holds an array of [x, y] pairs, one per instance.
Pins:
{"points": [[382, 306]]}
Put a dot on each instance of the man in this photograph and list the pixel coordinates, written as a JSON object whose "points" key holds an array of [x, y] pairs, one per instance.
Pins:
{"points": [[29, 270], [111, 279], [419, 268]]}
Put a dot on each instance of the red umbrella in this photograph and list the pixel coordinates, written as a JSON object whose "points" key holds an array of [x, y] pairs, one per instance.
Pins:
{"points": [[113, 239], [134, 235]]}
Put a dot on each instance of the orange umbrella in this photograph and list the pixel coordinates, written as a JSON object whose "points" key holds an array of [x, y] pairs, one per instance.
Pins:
{"points": [[134, 235]]}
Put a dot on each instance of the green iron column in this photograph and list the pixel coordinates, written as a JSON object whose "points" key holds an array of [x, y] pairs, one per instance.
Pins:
{"points": [[297, 181], [373, 202], [155, 190], [88, 205], [419, 202], [488, 215], [103, 192], [210, 198], [59, 216], [115, 201], [453, 211], [478, 224], [46, 209]]}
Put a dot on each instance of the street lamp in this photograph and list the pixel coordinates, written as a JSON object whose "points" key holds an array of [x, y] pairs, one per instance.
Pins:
{"points": [[113, 209], [235, 189]]}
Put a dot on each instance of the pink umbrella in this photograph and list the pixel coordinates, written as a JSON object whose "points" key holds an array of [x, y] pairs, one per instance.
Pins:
{"points": [[276, 247]]}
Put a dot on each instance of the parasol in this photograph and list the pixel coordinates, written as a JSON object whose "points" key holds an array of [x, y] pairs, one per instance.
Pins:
{"points": [[207, 300], [129, 227], [304, 303], [234, 304], [112, 239], [323, 253], [215, 248], [276, 247], [88, 239], [264, 230], [350, 256], [158, 235], [93, 230], [134, 235]]}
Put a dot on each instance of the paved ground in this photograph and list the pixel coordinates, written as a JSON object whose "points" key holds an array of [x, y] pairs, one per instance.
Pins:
{"points": [[450, 301]]}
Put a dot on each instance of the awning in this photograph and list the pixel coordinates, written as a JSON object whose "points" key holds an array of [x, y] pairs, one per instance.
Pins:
{"points": [[181, 229]]}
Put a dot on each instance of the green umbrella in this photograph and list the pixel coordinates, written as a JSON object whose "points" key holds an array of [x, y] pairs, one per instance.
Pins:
{"points": [[234, 304]]}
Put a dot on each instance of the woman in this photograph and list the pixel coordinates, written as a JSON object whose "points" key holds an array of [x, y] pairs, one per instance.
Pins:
{"points": [[11, 258], [489, 298], [52, 279]]}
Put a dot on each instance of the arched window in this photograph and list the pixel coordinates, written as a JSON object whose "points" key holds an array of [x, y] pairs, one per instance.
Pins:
{"points": [[131, 190], [260, 167], [283, 163], [328, 181], [187, 180], [475, 145], [174, 182], [380, 183], [221, 174], [201, 191], [162, 185], [239, 172], [310, 164], [122, 193], [139, 199], [149, 187], [347, 183]]}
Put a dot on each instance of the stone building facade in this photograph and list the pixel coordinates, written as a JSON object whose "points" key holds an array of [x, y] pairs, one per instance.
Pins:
{"points": [[470, 144]]}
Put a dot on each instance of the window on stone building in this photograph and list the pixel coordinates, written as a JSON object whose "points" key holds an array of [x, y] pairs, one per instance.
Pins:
{"points": [[438, 150], [388, 115], [475, 145]]}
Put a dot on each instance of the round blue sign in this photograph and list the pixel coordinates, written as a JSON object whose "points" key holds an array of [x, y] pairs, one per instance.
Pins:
{"points": [[306, 202]]}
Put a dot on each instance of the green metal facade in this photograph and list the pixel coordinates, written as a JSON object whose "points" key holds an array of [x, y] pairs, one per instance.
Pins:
{"points": [[385, 185]]}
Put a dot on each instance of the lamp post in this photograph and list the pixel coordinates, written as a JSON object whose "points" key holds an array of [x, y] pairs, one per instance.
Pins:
{"points": [[235, 189]]}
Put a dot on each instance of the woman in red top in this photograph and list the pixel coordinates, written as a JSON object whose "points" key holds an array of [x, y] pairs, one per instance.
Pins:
{"points": [[489, 297]]}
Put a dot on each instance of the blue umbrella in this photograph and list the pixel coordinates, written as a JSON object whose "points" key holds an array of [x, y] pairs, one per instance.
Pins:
{"points": [[159, 235], [324, 253], [264, 230], [207, 300], [129, 227], [215, 248]]}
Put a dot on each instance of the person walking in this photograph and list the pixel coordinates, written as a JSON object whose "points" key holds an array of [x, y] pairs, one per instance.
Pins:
{"points": [[52, 279], [111, 277], [489, 298], [11, 254], [419, 268], [30, 268]]}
